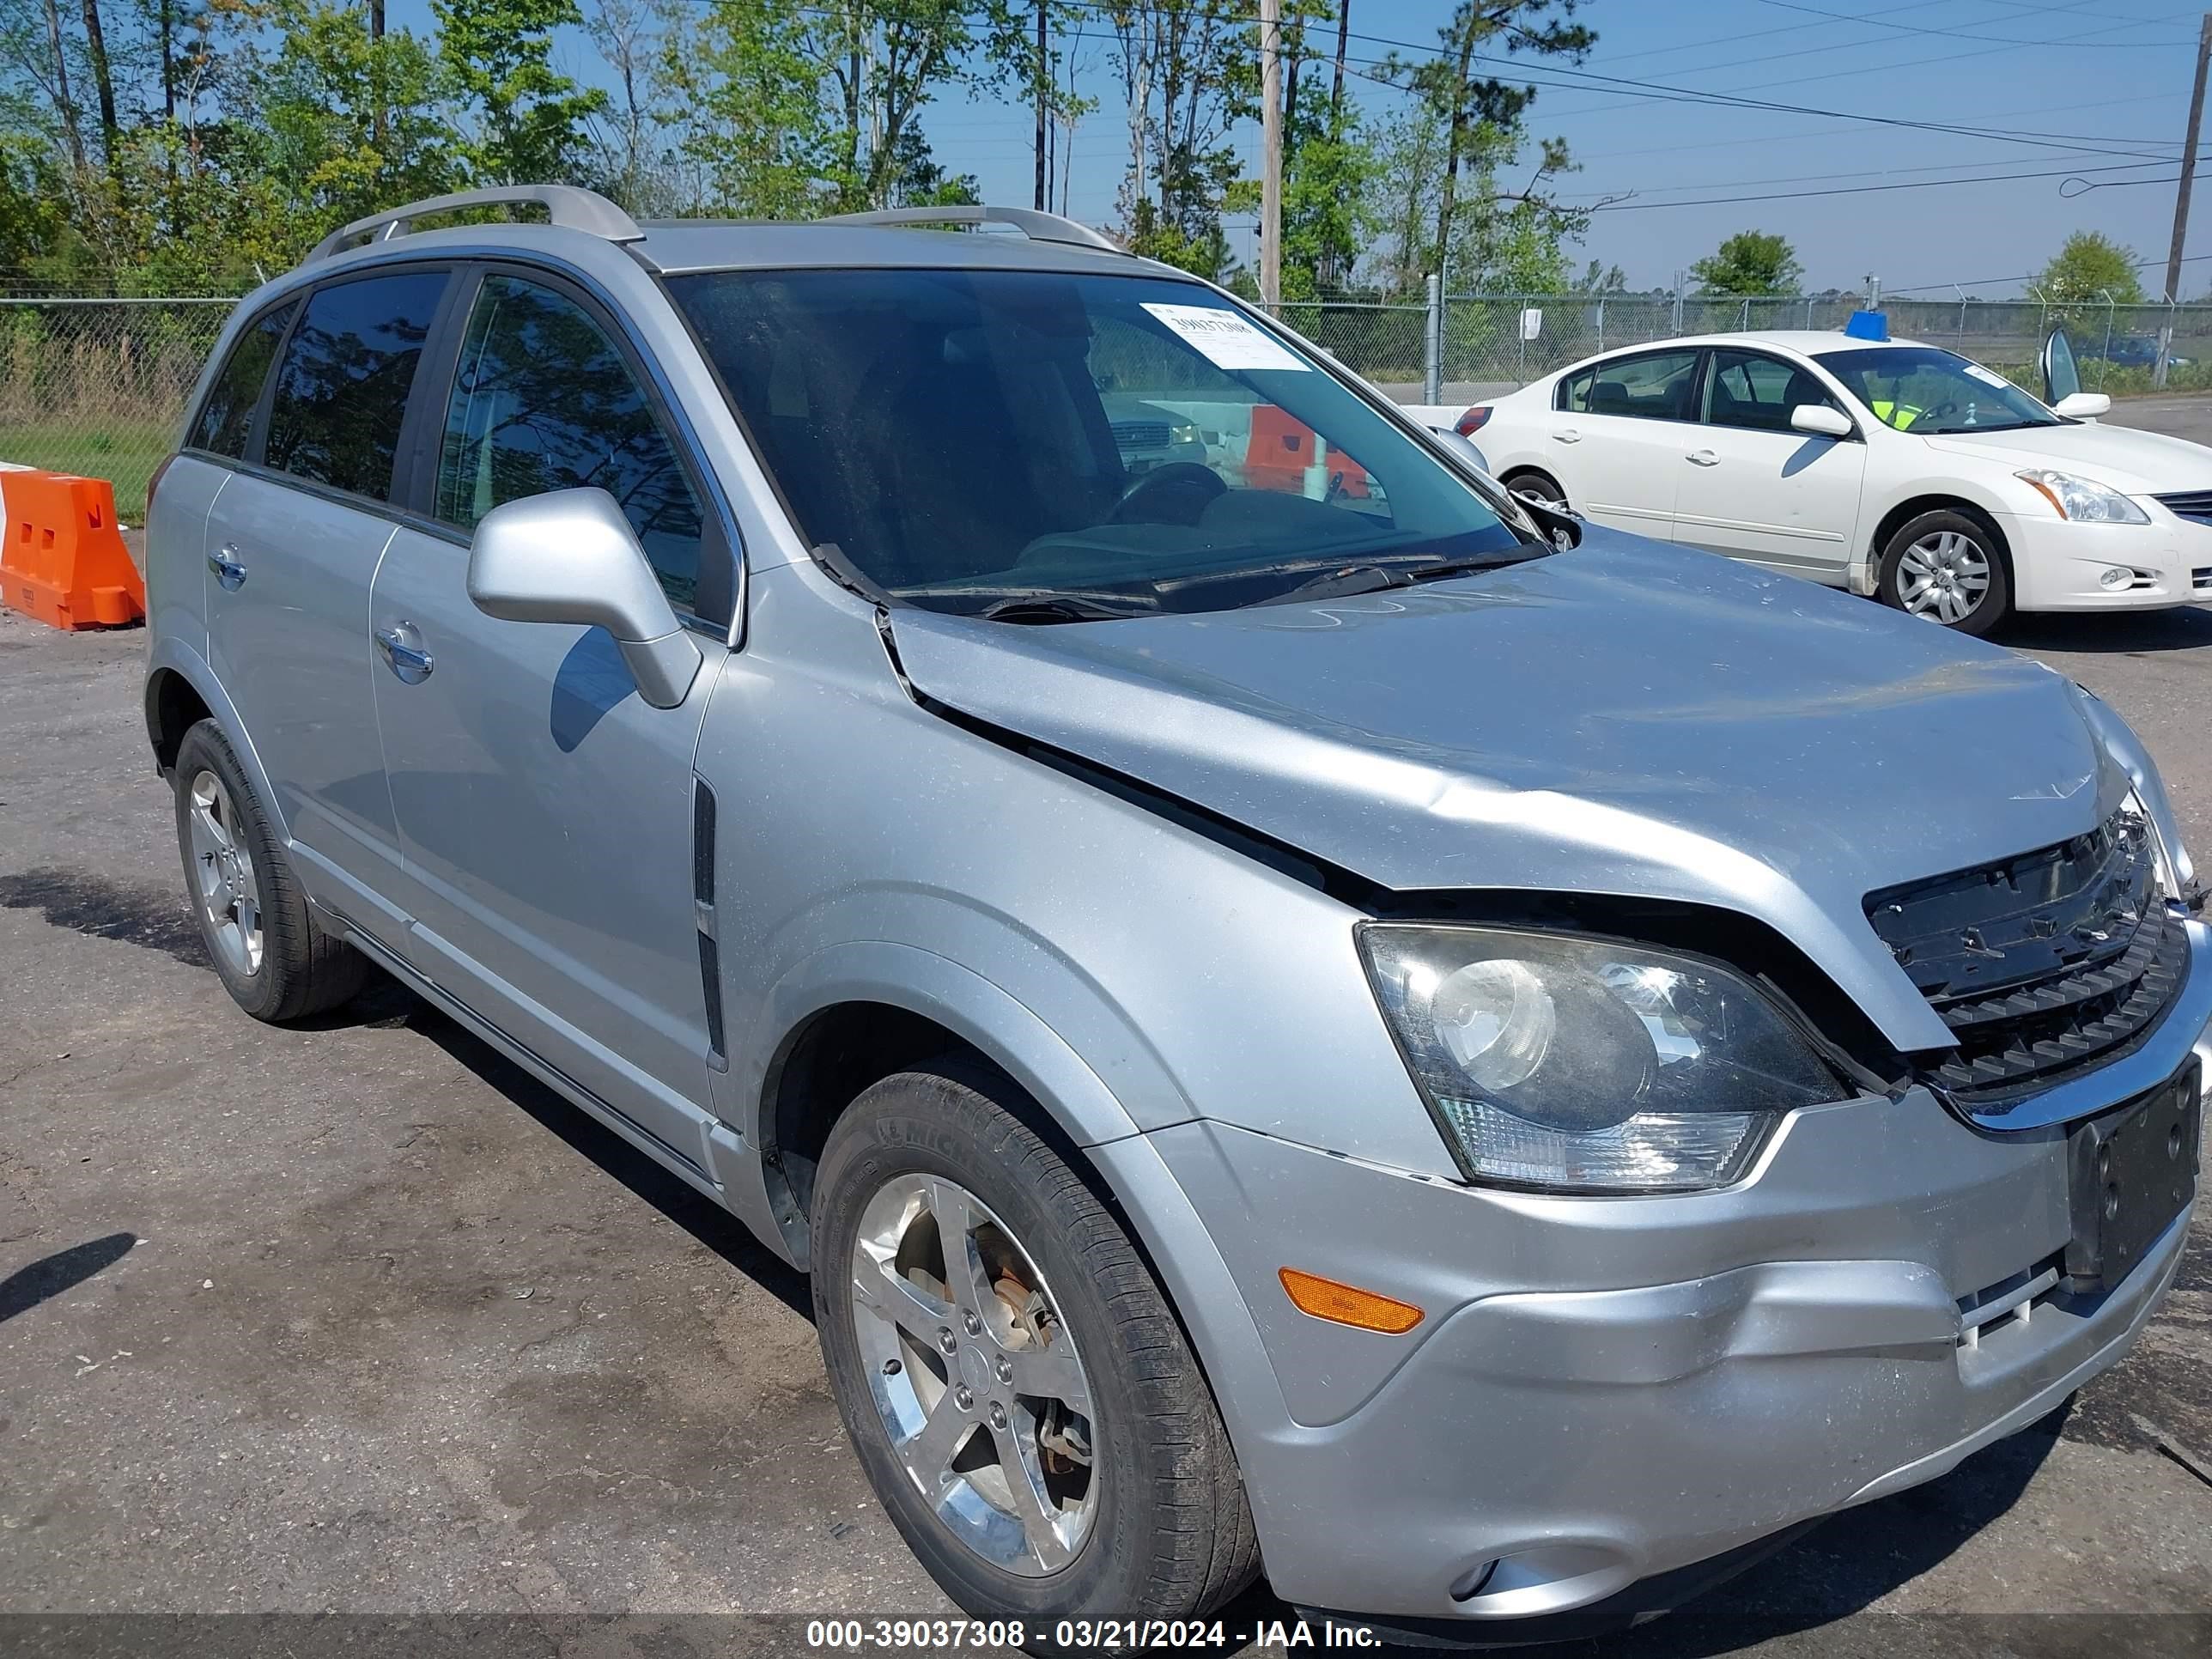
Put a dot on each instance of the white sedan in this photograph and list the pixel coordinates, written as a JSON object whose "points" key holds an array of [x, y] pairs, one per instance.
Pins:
{"points": [[1889, 467]]}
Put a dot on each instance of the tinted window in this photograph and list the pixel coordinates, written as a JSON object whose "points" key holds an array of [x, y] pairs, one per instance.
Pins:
{"points": [[1048, 446], [227, 416], [1657, 385], [544, 400], [342, 387], [1748, 389]]}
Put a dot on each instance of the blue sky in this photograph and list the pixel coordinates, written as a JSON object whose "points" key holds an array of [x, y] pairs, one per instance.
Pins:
{"points": [[2102, 85]]}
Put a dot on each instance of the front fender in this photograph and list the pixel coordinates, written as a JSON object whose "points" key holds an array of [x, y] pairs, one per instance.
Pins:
{"points": [[990, 1019]]}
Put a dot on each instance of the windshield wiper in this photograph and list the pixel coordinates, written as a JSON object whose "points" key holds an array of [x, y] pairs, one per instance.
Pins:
{"points": [[1373, 576], [1059, 608]]}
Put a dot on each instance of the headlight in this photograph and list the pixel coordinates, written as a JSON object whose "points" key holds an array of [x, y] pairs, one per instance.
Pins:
{"points": [[1188, 432], [1578, 1065], [2081, 501], [2170, 865]]}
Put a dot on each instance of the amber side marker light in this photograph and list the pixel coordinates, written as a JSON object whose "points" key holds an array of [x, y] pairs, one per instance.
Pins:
{"points": [[1347, 1305]]}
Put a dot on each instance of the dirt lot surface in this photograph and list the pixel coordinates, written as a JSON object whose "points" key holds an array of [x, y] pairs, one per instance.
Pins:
{"points": [[360, 1318]]}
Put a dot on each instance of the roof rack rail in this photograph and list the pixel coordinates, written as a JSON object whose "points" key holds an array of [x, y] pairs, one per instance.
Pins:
{"points": [[567, 206], [1038, 227]]}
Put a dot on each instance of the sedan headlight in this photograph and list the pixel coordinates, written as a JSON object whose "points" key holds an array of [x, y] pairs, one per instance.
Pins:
{"points": [[1580, 1065], [2170, 865], [2081, 501]]}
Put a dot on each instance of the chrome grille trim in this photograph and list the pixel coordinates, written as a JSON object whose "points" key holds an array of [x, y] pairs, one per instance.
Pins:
{"points": [[2195, 504]]}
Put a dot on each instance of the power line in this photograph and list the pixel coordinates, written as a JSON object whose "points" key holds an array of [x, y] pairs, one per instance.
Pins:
{"points": [[1957, 34], [1869, 190], [2080, 143], [1987, 282]]}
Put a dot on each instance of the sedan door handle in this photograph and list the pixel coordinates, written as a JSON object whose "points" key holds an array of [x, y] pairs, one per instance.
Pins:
{"points": [[1566, 435], [402, 645], [1702, 458], [226, 569]]}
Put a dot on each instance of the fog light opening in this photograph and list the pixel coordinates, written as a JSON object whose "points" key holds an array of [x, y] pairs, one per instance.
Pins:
{"points": [[2114, 577]]}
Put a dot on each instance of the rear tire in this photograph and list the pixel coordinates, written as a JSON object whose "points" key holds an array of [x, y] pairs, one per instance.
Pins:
{"points": [[1154, 1524], [1537, 486], [271, 953], [1950, 569]]}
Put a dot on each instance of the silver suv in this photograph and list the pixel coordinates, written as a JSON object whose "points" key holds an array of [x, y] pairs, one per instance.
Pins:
{"points": [[1306, 1013]]}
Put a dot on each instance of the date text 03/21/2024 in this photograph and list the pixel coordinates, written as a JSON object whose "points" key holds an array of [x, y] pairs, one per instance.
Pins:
{"points": [[954, 1634]]}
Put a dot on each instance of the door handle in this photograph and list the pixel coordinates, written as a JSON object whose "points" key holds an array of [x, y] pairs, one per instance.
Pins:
{"points": [[1566, 435], [226, 568], [1702, 458], [402, 648]]}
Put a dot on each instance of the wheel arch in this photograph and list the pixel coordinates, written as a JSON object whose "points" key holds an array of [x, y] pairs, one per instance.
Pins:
{"points": [[179, 683], [1911, 506], [833, 1053], [853, 1013], [1511, 475]]}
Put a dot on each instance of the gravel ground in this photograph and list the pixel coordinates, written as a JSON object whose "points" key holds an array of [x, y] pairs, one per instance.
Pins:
{"points": [[360, 1318]]}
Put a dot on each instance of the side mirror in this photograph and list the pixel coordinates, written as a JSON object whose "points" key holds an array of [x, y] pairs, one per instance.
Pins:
{"points": [[2062, 377], [1820, 420], [570, 556], [2083, 406]]}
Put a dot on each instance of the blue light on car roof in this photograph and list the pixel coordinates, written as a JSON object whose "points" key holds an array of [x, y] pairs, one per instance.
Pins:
{"points": [[1868, 325]]}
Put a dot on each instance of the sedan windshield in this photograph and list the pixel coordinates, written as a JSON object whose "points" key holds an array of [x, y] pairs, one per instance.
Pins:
{"points": [[1925, 389], [1044, 447]]}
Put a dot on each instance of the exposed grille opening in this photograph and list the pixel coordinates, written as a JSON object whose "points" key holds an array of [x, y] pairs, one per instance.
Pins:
{"points": [[2040, 964], [2011, 1301], [1141, 434], [2201, 578], [2188, 504]]}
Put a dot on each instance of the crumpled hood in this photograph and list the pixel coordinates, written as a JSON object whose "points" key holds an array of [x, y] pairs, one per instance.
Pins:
{"points": [[2134, 463], [1628, 719]]}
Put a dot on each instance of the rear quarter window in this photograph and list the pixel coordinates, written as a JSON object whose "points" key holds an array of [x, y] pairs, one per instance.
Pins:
{"points": [[342, 387], [226, 419]]}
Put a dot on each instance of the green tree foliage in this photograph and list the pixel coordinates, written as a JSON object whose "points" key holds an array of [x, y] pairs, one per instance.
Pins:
{"points": [[1751, 262], [2091, 267], [496, 57]]}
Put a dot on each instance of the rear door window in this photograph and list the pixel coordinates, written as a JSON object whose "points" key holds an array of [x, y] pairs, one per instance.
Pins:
{"points": [[544, 400], [1751, 390], [226, 419], [342, 387], [1652, 385]]}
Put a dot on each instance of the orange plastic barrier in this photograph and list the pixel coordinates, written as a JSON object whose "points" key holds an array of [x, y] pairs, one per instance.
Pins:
{"points": [[1280, 449], [65, 562]]}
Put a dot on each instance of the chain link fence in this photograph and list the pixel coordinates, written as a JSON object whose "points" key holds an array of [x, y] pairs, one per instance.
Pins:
{"points": [[97, 384], [1490, 343]]}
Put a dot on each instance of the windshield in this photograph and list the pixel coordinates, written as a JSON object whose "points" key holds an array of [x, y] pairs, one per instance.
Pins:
{"points": [[1928, 391], [1048, 444]]}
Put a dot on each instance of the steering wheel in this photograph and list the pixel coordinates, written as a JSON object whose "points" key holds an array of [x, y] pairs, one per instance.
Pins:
{"points": [[1175, 493]]}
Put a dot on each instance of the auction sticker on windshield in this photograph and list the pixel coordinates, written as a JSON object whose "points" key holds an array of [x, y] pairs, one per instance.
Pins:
{"points": [[1226, 338]]}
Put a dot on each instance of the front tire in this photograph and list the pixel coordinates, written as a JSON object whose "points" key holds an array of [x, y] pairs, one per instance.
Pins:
{"points": [[269, 951], [1949, 569], [1019, 1393]]}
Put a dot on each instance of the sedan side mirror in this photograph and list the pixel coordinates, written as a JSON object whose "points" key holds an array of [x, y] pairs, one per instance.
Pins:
{"points": [[2083, 406], [1821, 421], [570, 556]]}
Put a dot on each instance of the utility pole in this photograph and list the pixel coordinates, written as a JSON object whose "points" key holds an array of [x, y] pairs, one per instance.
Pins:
{"points": [[1271, 174], [1043, 82], [2181, 198]]}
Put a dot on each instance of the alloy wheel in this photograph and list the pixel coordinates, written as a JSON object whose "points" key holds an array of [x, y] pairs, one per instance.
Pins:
{"points": [[223, 876], [975, 1373], [1943, 576]]}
